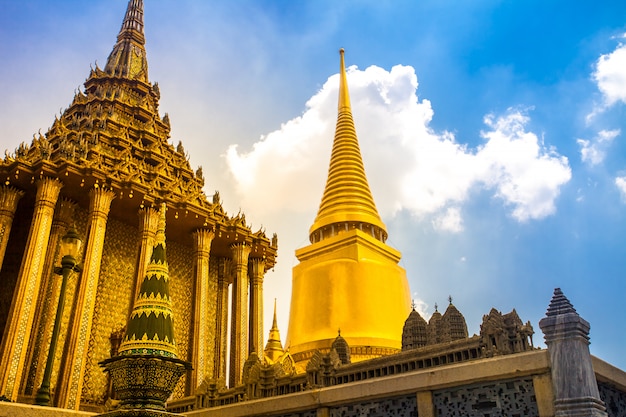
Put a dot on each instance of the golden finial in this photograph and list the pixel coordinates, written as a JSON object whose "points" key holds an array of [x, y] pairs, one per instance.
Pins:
{"points": [[160, 232], [344, 96]]}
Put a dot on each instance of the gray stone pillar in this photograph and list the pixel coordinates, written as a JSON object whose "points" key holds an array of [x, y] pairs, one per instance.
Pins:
{"points": [[574, 382]]}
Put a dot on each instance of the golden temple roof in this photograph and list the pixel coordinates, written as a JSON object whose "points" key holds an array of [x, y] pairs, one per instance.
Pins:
{"points": [[347, 196]]}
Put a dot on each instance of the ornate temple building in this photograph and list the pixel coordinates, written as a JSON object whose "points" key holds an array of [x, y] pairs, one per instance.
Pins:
{"points": [[355, 345], [106, 165]]}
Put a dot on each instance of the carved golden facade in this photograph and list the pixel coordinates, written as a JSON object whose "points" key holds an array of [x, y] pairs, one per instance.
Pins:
{"points": [[106, 164]]}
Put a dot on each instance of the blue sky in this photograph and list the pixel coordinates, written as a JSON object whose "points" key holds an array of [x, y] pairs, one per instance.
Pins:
{"points": [[493, 132]]}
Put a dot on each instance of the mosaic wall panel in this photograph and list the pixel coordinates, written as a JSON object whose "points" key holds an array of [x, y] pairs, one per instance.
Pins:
{"points": [[115, 286], [181, 264], [497, 399], [614, 400], [391, 407]]}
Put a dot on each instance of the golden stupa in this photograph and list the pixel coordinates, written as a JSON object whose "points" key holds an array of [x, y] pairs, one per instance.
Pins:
{"points": [[348, 279]]}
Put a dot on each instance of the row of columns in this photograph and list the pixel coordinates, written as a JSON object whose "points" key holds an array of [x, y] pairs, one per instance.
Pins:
{"points": [[27, 324], [210, 319], [35, 284]]}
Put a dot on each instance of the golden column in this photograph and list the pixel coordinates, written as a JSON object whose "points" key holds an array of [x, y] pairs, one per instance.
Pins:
{"points": [[239, 323], [204, 319], [9, 197], [257, 271], [224, 278], [17, 332], [50, 286], [148, 222], [70, 381]]}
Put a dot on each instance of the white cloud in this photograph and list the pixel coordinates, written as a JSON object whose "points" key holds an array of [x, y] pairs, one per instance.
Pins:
{"points": [[593, 151], [409, 166], [620, 182], [610, 75], [450, 220], [525, 174]]}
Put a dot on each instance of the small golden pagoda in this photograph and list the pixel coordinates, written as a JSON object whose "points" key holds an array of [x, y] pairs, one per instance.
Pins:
{"points": [[348, 279]]}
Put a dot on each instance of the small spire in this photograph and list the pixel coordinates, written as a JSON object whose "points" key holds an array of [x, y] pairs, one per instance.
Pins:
{"points": [[274, 348], [436, 307], [450, 299], [559, 304]]}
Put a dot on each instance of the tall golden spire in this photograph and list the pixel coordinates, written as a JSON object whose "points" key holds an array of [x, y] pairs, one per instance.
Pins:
{"points": [[348, 277], [347, 199], [128, 58]]}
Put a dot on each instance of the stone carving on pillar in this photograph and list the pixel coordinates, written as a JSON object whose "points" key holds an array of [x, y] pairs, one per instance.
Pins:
{"points": [[9, 197], [204, 317], [148, 222], [256, 272], [239, 323], [20, 320], [70, 380], [49, 295], [573, 379]]}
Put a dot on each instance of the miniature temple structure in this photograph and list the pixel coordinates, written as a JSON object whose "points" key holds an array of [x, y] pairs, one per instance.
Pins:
{"points": [[107, 164]]}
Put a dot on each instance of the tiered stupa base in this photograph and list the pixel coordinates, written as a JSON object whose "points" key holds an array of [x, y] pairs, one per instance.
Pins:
{"points": [[143, 383]]}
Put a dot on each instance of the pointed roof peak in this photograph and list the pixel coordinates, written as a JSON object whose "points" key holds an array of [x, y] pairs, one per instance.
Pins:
{"points": [[274, 348], [128, 58], [347, 197], [559, 304], [132, 26]]}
